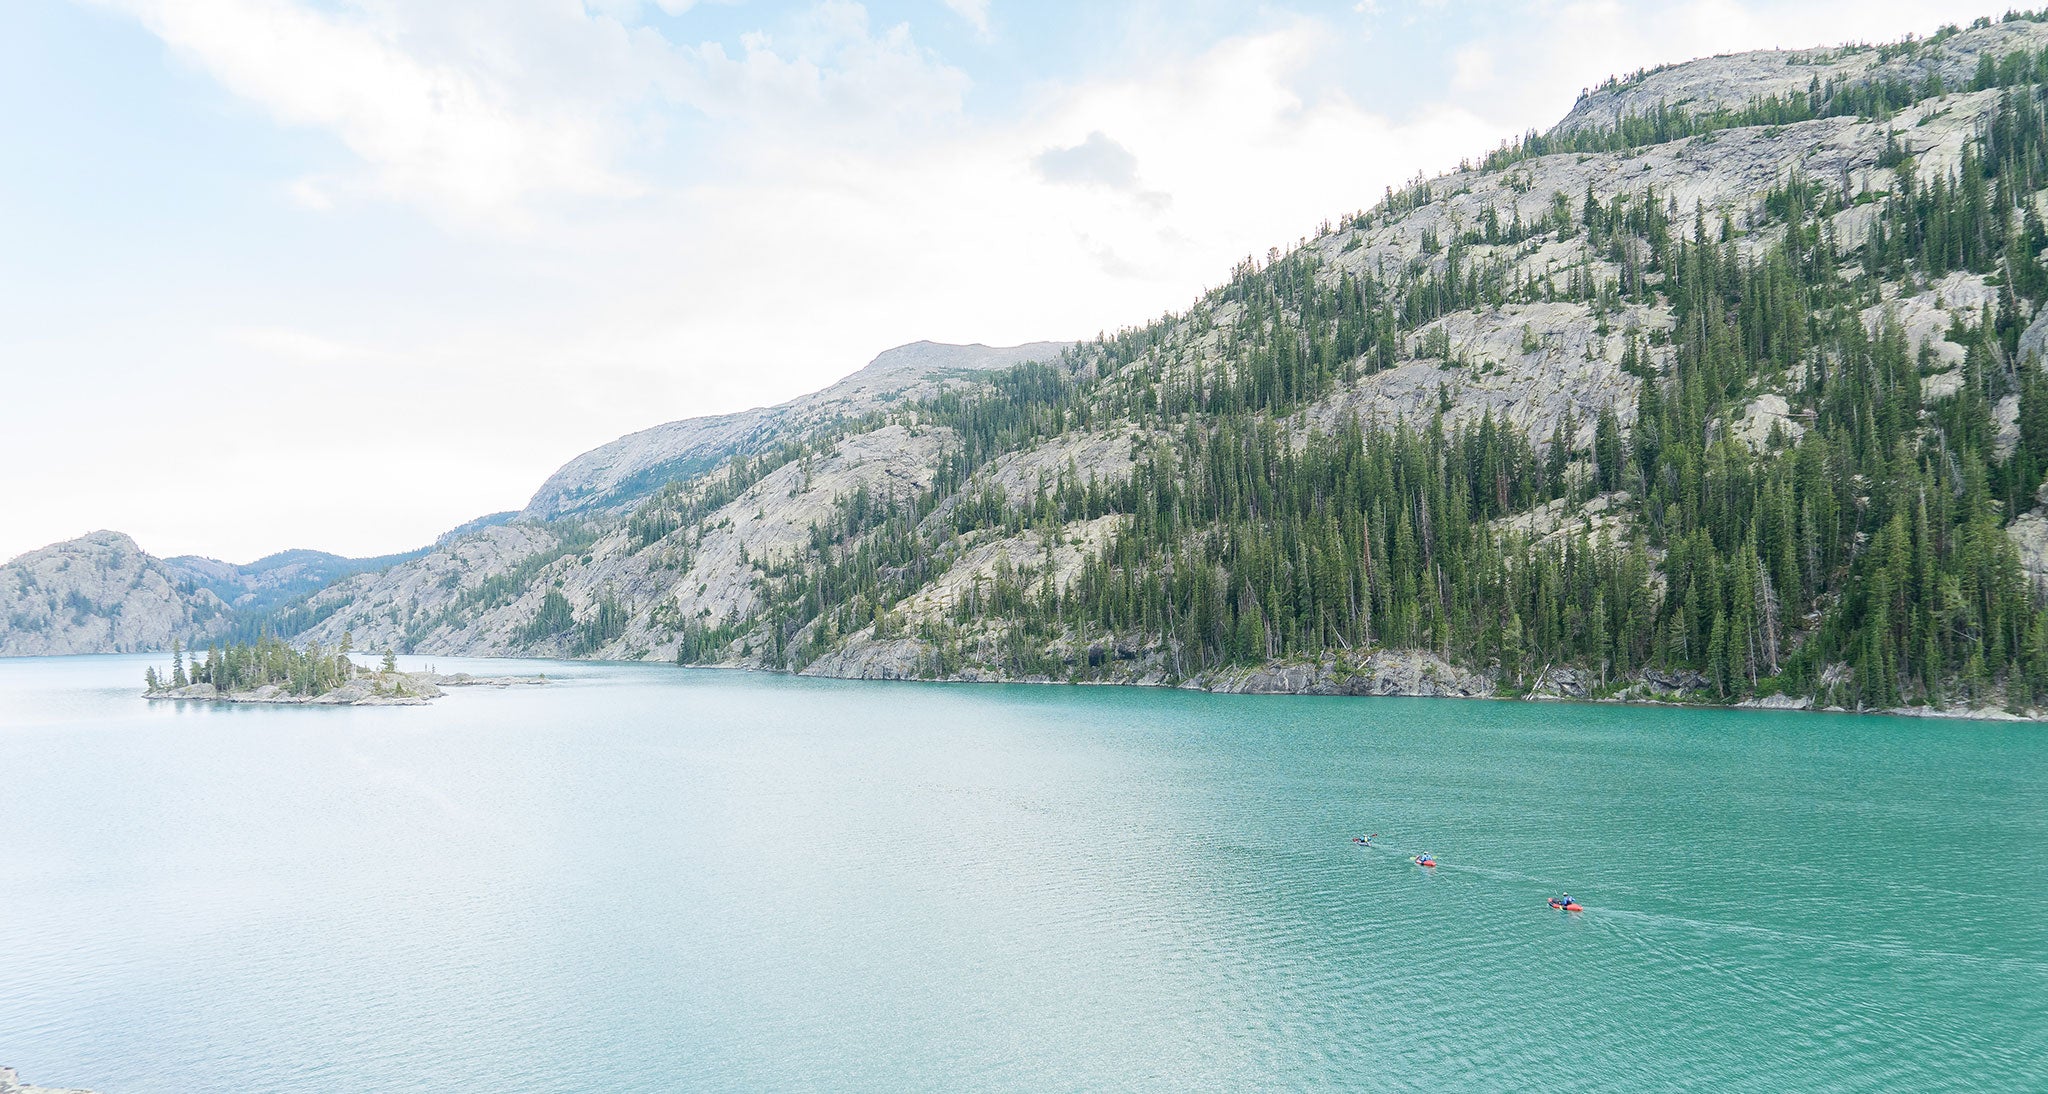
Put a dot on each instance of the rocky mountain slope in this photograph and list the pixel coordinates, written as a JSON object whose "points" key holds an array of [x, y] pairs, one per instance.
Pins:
{"points": [[614, 477], [1732, 82], [64, 598], [99, 593], [102, 593], [274, 579]]}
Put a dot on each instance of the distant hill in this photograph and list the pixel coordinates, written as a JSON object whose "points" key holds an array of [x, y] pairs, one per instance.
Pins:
{"points": [[260, 585], [490, 520], [194, 597], [100, 593]]}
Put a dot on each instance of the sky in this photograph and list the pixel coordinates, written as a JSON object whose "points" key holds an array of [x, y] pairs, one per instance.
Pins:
{"points": [[343, 274]]}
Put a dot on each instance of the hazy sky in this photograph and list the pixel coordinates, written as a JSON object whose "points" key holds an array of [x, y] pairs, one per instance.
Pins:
{"points": [[344, 273]]}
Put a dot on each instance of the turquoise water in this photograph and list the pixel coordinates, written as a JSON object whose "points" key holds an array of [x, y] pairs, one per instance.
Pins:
{"points": [[648, 879]]}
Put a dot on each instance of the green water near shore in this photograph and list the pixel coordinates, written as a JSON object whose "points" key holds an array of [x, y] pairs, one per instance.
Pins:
{"points": [[645, 878]]}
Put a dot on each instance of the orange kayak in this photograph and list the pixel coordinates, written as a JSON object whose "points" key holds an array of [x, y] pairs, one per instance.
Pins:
{"points": [[1574, 906]]}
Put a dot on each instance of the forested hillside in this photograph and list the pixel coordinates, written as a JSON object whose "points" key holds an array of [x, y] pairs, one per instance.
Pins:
{"points": [[1712, 397]]}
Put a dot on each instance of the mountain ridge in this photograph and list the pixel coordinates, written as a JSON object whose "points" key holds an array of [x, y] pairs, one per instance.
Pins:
{"points": [[619, 473], [197, 598], [1731, 82]]}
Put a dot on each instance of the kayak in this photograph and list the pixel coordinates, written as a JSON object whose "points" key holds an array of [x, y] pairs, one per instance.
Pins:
{"points": [[1574, 906], [1420, 861]]}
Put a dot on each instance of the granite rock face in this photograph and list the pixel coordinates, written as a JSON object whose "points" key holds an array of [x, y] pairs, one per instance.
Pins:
{"points": [[863, 656], [1381, 672], [2029, 535], [99, 593]]}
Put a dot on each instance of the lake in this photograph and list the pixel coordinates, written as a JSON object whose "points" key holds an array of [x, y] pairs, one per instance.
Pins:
{"points": [[644, 878]]}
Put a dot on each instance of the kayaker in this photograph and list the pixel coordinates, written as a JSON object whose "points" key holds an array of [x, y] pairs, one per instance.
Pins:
{"points": [[1564, 901]]}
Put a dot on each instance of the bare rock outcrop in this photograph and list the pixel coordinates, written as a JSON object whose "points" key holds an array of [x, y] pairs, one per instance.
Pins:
{"points": [[1767, 416], [863, 656], [1105, 456], [1530, 366], [1600, 517], [1380, 672], [2029, 535]]}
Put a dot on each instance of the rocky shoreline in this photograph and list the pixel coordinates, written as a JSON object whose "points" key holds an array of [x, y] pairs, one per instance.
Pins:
{"points": [[10, 1083], [383, 689], [1379, 672]]}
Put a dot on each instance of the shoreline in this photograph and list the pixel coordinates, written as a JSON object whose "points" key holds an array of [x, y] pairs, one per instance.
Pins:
{"points": [[1785, 704], [10, 1083], [1797, 706], [1763, 705]]}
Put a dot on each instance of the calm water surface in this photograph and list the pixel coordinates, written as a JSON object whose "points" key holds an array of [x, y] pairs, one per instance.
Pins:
{"points": [[648, 879]]}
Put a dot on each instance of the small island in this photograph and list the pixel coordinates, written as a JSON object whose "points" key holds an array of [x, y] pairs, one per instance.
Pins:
{"points": [[271, 670]]}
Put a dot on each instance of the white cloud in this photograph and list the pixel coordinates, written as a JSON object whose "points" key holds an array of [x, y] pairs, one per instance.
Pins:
{"points": [[835, 79], [482, 110], [1098, 161], [974, 11], [1472, 67], [310, 193], [456, 136]]}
